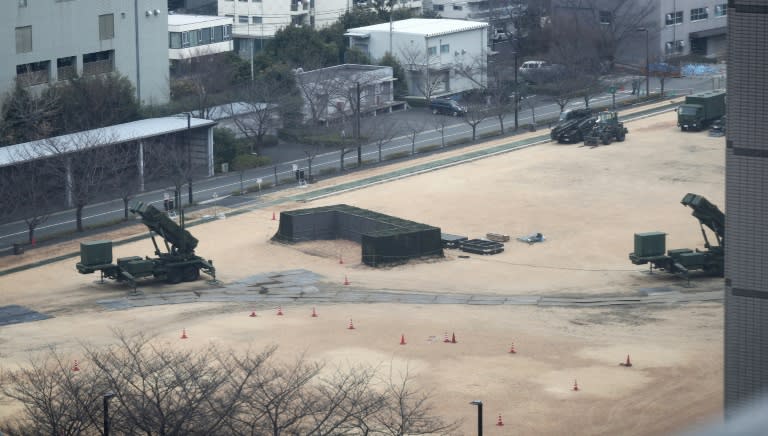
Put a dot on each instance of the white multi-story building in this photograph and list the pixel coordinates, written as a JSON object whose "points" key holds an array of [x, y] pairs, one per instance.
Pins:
{"points": [[432, 51], [198, 35], [674, 27], [257, 20], [44, 42]]}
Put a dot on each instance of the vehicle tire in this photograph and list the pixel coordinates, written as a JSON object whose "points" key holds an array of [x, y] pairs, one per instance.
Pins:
{"points": [[434, 111], [191, 273], [620, 137], [606, 140], [173, 276]]}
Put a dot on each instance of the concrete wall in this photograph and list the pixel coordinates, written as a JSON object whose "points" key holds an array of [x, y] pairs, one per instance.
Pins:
{"points": [[71, 28]]}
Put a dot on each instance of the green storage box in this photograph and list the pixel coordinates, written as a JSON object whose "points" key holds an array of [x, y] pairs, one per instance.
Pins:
{"points": [[650, 244], [96, 253], [139, 267], [692, 259]]}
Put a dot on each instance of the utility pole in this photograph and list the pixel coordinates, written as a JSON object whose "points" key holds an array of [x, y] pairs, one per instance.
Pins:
{"points": [[517, 90], [189, 155], [357, 127]]}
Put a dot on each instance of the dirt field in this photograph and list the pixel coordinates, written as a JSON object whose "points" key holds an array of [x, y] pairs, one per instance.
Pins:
{"points": [[587, 202]]}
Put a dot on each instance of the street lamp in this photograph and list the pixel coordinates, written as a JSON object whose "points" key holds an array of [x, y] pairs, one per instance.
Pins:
{"points": [[647, 63], [107, 396], [189, 155], [479, 405]]}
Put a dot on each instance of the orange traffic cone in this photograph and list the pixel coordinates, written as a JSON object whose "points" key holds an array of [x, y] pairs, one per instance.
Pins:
{"points": [[76, 366], [253, 314], [184, 334], [402, 339], [575, 385], [314, 313], [279, 311], [346, 280], [33, 241], [512, 348], [341, 260], [351, 326], [273, 216], [453, 338], [500, 423], [628, 363]]}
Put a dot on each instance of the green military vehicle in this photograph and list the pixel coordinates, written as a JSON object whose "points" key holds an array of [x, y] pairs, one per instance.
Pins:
{"points": [[572, 126], [700, 110], [650, 246], [607, 127], [176, 263]]}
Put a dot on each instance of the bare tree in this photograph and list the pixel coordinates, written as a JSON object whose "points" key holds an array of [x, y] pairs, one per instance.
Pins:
{"points": [[311, 152], [29, 189], [170, 158], [408, 410], [26, 117], [477, 111], [440, 122], [202, 79], [124, 177], [422, 78], [414, 126], [379, 133]]}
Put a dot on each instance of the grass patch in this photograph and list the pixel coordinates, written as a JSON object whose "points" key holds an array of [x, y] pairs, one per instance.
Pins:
{"points": [[398, 155], [489, 134], [427, 148]]}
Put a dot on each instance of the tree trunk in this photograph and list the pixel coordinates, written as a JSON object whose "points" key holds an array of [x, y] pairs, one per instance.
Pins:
{"points": [[501, 123], [31, 228], [79, 217], [125, 208], [474, 131]]}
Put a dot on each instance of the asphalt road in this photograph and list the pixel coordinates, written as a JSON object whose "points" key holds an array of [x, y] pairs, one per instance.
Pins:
{"points": [[218, 189]]}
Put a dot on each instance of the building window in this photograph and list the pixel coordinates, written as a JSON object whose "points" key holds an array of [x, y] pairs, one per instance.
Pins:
{"points": [[99, 62], [445, 48], [65, 68], [438, 8], [674, 18], [22, 3], [457, 7], [106, 26], [431, 51], [673, 47], [699, 14], [174, 39], [257, 20], [33, 73], [185, 39], [227, 32], [24, 39], [606, 17], [218, 33], [242, 19], [205, 36], [721, 10]]}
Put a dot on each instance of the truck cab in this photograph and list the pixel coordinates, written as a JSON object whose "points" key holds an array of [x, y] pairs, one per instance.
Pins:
{"points": [[690, 116]]}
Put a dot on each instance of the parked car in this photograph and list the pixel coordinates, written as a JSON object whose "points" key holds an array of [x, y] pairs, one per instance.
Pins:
{"points": [[718, 127], [539, 71], [446, 106], [499, 35]]}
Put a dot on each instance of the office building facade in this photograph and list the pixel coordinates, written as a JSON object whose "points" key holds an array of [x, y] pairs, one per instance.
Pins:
{"points": [[46, 42], [746, 262]]}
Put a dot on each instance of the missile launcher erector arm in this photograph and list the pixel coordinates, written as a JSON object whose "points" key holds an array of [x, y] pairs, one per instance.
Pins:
{"points": [[178, 240]]}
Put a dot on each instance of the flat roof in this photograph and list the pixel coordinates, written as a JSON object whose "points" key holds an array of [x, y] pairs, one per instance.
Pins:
{"points": [[420, 26], [116, 134], [181, 19]]}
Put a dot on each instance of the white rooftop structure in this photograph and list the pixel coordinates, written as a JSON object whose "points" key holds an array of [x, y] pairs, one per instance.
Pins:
{"points": [[116, 134], [181, 19], [420, 26]]}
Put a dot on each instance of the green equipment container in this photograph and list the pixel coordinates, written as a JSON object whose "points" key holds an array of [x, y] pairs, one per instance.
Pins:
{"points": [[138, 267], [96, 253], [692, 259], [650, 244]]}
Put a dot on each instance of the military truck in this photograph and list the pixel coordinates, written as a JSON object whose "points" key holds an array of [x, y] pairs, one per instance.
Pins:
{"points": [[650, 246], [573, 125], [700, 110], [606, 129], [176, 263]]}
